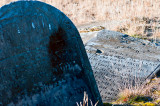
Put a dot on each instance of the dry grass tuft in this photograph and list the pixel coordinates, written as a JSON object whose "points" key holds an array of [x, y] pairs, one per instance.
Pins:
{"points": [[147, 94], [86, 102]]}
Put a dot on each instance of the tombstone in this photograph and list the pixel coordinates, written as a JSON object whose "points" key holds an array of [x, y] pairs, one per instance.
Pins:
{"points": [[42, 58], [125, 62]]}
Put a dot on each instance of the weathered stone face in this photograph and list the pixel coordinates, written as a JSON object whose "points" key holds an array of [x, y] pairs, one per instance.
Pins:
{"points": [[120, 61], [39, 47]]}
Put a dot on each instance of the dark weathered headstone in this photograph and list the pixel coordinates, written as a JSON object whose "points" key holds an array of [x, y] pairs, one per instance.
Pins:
{"points": [[42, 57]]}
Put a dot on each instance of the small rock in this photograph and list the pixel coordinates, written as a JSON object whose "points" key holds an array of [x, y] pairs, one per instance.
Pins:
{"points": [[98, 51]]}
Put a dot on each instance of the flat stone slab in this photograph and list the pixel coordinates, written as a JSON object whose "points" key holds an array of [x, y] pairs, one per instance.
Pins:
{"points": [[119, 61]]}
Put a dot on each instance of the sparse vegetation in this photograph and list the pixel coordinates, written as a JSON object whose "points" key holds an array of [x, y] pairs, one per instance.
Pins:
{"points": [[139, 36], [147, 94], [141, 28], [85, 11], [92, 29], [86, 101], [142, 16]]}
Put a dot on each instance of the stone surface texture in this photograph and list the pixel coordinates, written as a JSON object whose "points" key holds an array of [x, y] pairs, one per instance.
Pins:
{"points": [[119, 61], [42, 58]]}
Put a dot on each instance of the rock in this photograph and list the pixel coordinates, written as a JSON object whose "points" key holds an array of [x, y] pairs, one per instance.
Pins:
{"points": [[124, 62], [98, 51], [42, 58], [108, 35]]}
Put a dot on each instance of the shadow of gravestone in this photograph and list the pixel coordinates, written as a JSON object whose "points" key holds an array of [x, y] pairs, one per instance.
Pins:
{"points": [[42, 57]]}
